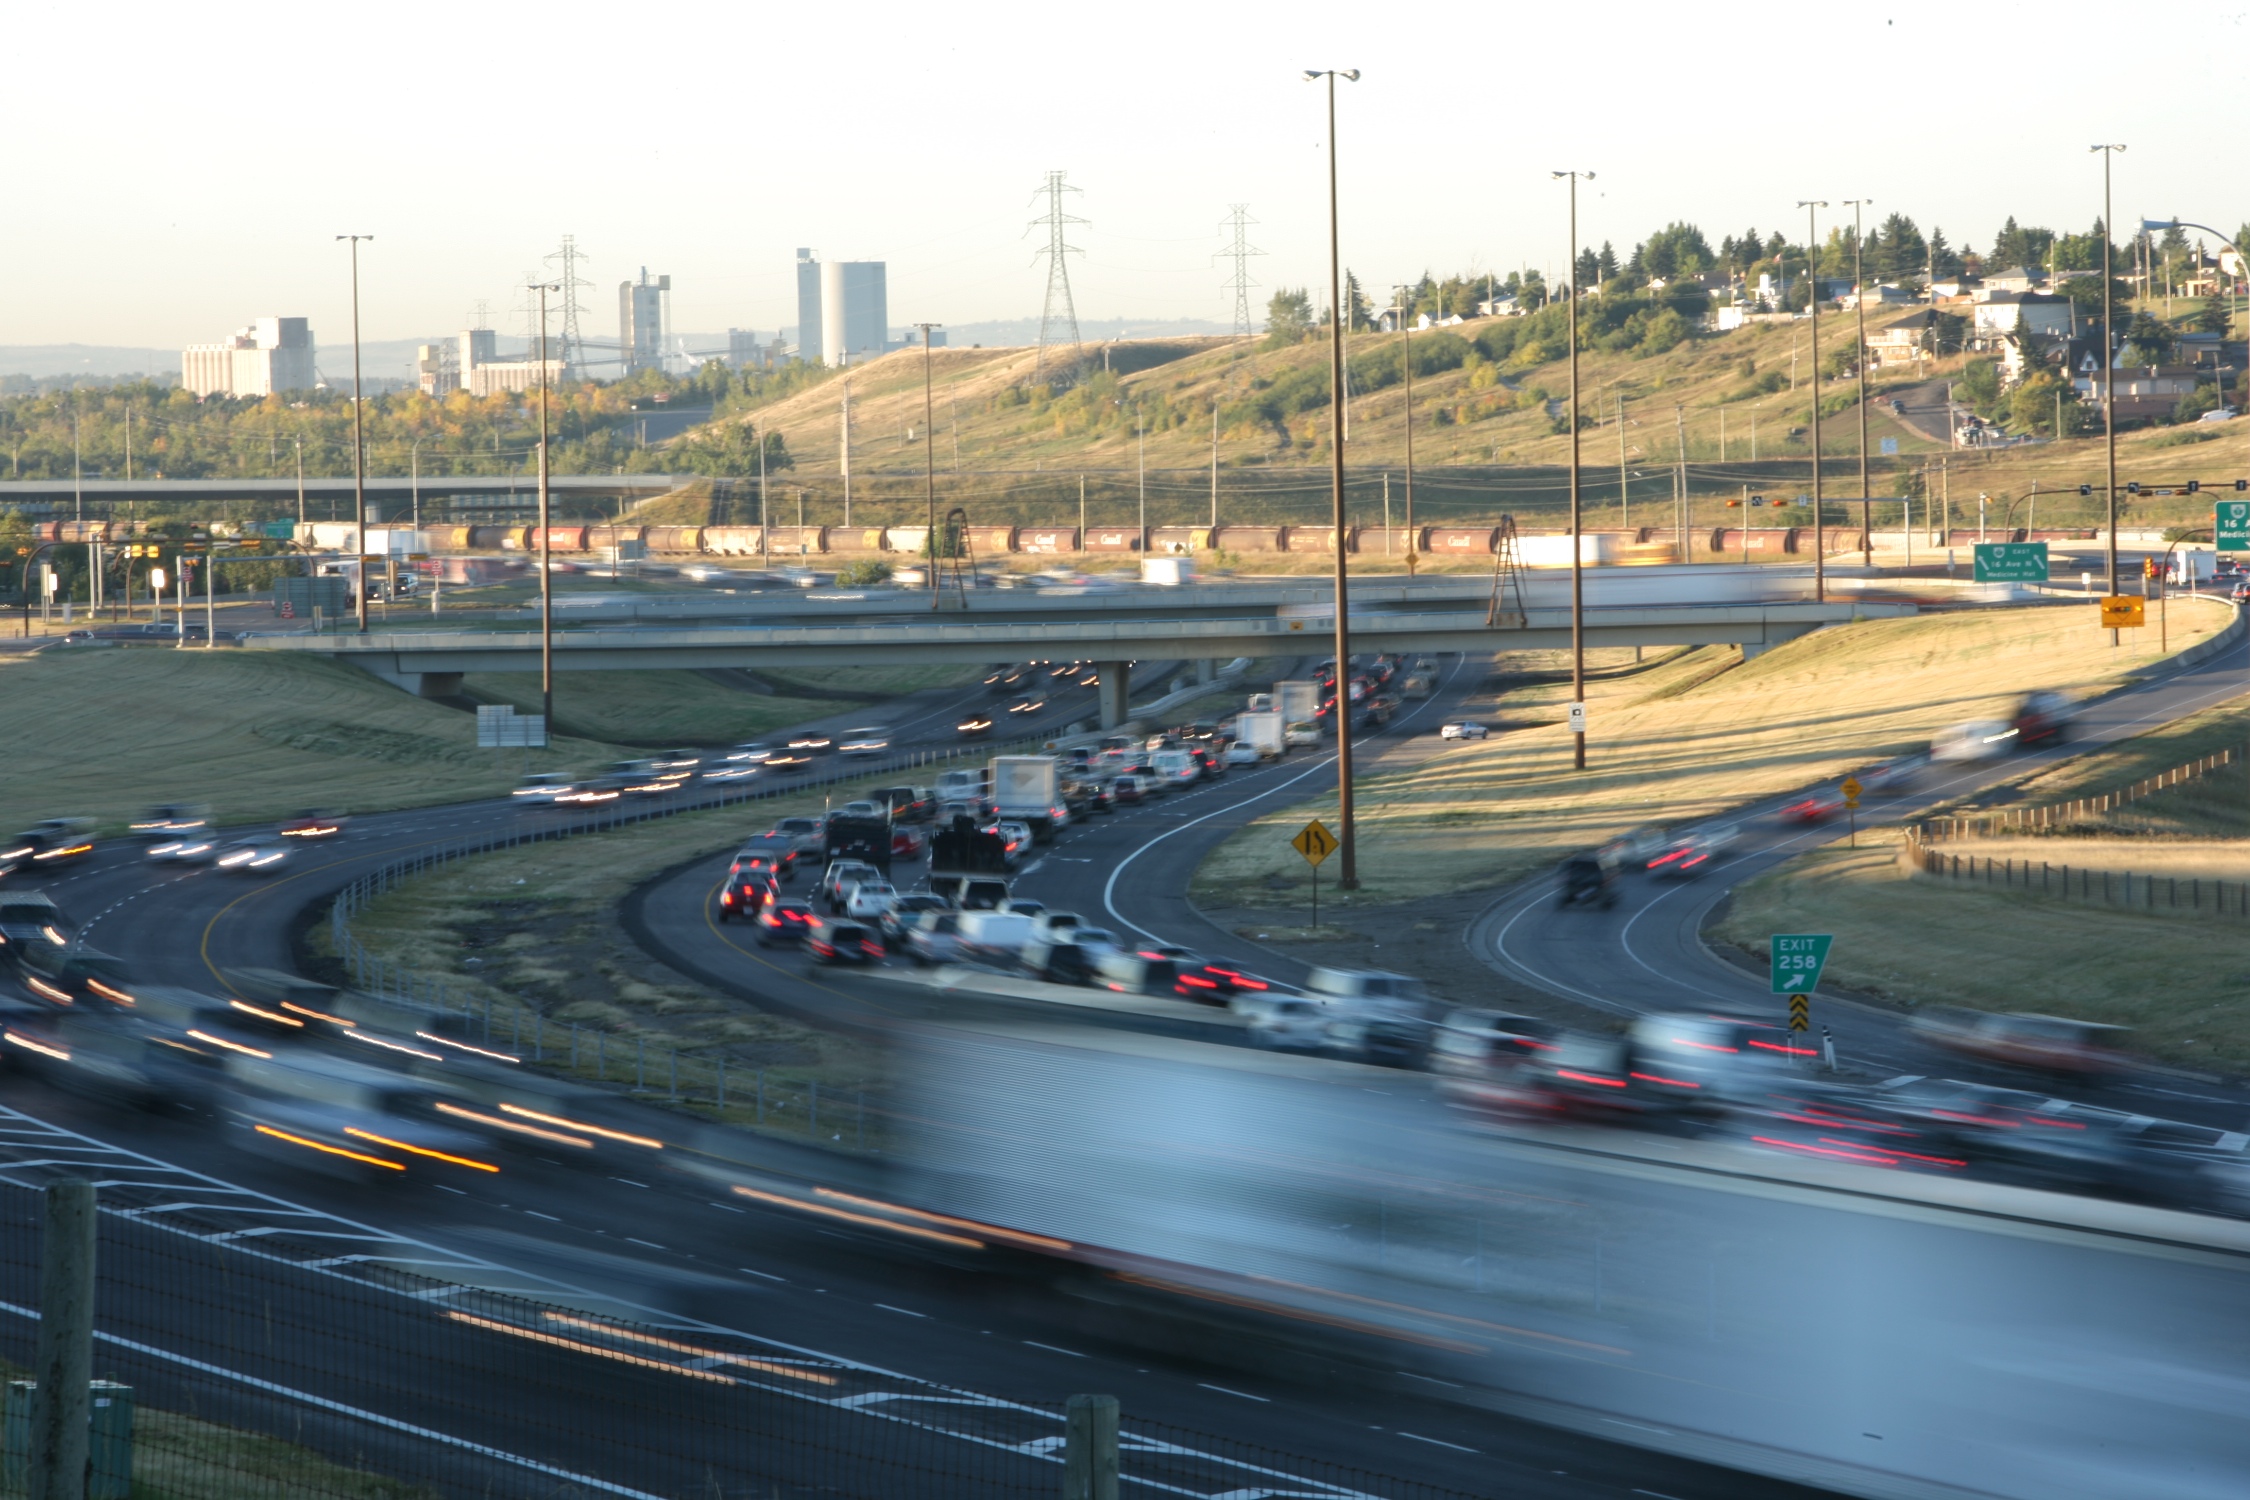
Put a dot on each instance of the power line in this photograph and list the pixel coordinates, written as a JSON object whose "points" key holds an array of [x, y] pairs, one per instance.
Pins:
{"points": [[1238, 222], [1058, 253]]}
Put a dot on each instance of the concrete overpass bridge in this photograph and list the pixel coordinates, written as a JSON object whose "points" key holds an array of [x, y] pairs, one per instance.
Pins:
{"points": [[433, 662]]}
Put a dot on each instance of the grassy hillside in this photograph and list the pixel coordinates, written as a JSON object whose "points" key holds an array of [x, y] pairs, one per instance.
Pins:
{"points": [[103, 733], [1485, 435], [1686, 739]]}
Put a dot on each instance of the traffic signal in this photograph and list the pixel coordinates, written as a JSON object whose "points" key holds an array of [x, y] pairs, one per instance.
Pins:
{"points": [[2194, 485], [2133, 487], [2148, 567], [2240, 485], [1734, 505], [2085, 489], [1757, 499]]}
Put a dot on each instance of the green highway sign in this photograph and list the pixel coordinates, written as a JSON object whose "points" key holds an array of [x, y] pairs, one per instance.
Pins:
{"points": [[1798, 958], [2011, 562], [2231, 525]]}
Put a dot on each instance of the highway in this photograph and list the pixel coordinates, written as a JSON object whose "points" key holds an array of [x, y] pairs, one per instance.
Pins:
{"points": [[656, 1244], [659, 1246]]}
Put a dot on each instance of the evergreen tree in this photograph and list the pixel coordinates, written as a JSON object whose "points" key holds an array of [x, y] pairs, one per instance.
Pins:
{"points": [[1606, 266], [1588, 269], [1942, 258]]}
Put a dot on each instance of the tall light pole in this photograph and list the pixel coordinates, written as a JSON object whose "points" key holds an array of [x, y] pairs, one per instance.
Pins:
{"points": [[929, 459], [2109, 374], [1812, 207], [359, 445], [1859, 363], [1577, 543], [1348, 841], [1406, 360], [546, 535]]}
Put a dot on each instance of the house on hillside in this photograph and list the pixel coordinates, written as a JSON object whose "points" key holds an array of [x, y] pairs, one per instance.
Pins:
{"points": [[1994, 320], [2019, 279], [2144, 392], [1901, 343], [1885, 294]]}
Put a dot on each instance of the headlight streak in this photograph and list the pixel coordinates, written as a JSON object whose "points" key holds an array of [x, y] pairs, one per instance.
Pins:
{"points": [[465, 1047], [220, 1041], [298, 1140], [384, 1140], [868, 1219], [614, 1135], [533, 1131]]}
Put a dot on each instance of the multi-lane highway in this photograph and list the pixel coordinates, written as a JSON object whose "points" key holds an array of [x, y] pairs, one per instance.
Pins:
{"points": [[774, 1280], [660, 1246]]}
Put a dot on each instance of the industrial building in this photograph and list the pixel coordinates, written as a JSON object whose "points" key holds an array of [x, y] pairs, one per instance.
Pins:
{"points": [[643, 314], [843, 310], [478, 368], [272, 354]]}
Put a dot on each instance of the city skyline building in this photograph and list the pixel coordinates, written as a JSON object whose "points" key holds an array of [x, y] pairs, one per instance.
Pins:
{"points": [[808, 306], [269, 355], [642, 314]]}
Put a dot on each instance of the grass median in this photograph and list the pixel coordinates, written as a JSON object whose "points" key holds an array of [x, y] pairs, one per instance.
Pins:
{"points": [[532, 934], [2181, 982], [102, 732], [1683, 738]]}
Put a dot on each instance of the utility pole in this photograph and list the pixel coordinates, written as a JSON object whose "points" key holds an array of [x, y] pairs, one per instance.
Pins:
{"points": [[359, 446], [300, 442], [929, 459], [2109, 373], [1577, 542], [1624, 488], [546, 538], [844, 441], [1214, 467], [1347, 835], [1859, 362], [1685, 510], [1406, 359], [1140, 436], [1812, 206]]}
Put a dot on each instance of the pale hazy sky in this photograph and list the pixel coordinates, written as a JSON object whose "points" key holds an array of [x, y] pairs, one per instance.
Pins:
{"points": [[177, 170]]}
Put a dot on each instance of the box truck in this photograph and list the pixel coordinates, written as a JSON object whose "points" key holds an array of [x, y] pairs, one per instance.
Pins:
{"points": [[1028, 789]]}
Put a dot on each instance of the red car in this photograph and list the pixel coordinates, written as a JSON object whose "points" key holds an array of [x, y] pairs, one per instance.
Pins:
{"points": [[908, 843], [1816, 808], [746, 895]]}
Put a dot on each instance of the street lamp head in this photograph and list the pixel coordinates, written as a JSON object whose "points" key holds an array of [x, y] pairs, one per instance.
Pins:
{"points": [[1349, 75], [2112, 146], [1812, 202]]}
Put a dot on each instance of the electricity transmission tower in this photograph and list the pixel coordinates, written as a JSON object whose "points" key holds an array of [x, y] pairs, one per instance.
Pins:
{"points": [[1238, 223], [1059, 313], [566, 261]]}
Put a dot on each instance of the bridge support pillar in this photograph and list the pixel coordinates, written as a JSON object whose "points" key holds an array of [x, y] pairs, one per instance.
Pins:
{"points": [[1116, 692], [1206, 669]]}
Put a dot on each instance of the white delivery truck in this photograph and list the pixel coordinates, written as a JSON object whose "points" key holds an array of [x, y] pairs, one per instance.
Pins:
{"points": [[1296, 702], [1261, 731], [1028, 789]]}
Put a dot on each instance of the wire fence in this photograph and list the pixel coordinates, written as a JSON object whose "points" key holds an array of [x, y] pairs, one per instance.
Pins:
{"points": [[2191, 896], [226, 1373], [2061, 814]]}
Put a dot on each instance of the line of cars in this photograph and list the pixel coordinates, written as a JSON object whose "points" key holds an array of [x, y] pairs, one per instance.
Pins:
{"points": [[1752, 1082], [170, 833]]}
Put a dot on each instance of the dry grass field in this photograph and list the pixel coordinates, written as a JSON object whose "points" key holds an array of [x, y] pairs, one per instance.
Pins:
{"points": [[1681, 739]]}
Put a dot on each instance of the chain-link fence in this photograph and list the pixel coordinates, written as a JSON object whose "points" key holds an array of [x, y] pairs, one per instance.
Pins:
{"points": [[229, 1373]]}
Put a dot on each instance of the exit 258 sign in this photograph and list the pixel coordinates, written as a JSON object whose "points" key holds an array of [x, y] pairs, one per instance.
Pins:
{"points": [[1798, 958]]}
